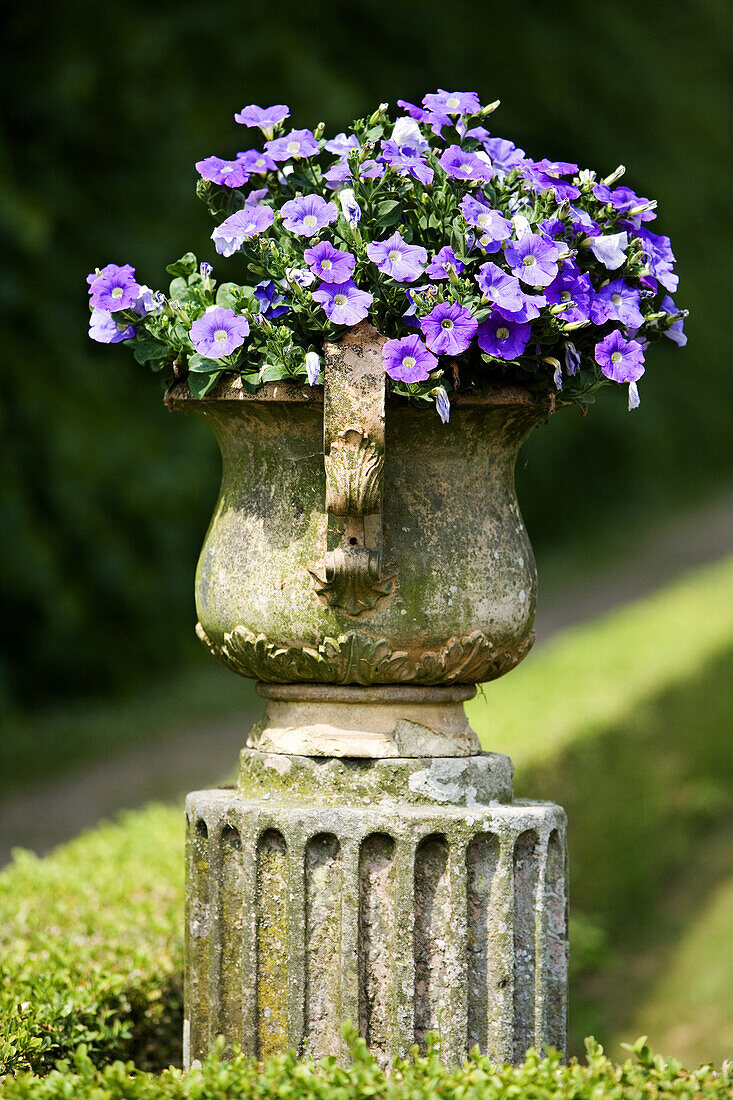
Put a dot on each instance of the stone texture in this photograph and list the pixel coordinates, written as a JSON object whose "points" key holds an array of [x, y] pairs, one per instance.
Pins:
{"points": [[324, 720], [432, 906], [448, 542]]}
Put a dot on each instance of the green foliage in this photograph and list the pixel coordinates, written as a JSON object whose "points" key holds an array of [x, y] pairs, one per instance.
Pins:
{"points": [[91, 947], [418, 1078], [104, 497]]}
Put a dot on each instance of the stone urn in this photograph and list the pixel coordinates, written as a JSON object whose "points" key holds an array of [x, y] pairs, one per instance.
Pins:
{"points": [[368, 566]]}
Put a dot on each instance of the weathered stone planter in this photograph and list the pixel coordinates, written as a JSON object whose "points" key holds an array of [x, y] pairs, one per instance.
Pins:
{"points": [[369, 566]]}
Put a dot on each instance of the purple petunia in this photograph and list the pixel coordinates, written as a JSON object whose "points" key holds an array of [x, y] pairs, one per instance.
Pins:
{"points": [[533, 259], [544, 175], [449, 328], [114, 289], [504, 154], [248, 222], [296, 144], [451, 103], [494, 227], [406, 131], [439, 266], [501, 338], [218, 333], [660, 258], [106, 330], [406, 162], [461, 165], [408, 360], [500, 288], [395, 257], [264, 118], [256, 163], [569, 287], [676, 331], [620, 360], [230, 173], [343, 303], [307, 215], [329, 263], [342, 144], [617, 301], [273, 303], [610, 249], [349, 206]]}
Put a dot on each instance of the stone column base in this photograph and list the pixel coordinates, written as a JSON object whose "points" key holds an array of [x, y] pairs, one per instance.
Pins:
{"points": [[408, 896]]}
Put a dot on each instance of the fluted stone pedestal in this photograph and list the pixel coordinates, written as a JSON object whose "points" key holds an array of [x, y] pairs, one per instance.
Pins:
{"points": [[406, 894]]}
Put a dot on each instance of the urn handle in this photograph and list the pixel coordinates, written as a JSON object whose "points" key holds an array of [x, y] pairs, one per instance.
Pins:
{"points": [[353, 444]]}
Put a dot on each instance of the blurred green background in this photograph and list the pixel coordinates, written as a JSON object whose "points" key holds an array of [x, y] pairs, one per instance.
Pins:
{"points": [[105, 497]]}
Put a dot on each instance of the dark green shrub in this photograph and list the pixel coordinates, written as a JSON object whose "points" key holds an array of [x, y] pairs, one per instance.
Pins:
{"points": [[91, 947]]}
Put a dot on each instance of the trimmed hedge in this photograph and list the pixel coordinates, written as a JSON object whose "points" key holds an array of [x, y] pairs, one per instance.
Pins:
{"points": [[420, 1078], [91, 947]]}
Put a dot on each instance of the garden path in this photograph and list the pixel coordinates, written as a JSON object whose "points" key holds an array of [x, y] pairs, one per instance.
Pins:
{"points": [[42, 815]]}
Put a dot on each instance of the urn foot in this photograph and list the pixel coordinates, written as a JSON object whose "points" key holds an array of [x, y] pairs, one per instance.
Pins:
{"points": [[327, 720], [406, 895]]}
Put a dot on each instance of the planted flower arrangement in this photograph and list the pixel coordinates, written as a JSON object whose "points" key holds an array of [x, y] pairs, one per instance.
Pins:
{"points": [[481, 265], [368, 564]]}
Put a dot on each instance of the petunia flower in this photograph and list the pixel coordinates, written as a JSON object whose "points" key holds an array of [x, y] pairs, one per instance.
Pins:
{"points": [[442, 404], [343, 303], [406, 162], [620, 360], [229, 237], [449, 328], [349, 206], [307, 215], [312, 367], [462, 165], [219, 332], [273, 303], [230, 173], [610, 249], [617, 301], [329, 263], [341, 144], [395, 257], [452, 103], [676, 331], [408, 360], [295, 145], [440, 265], [256, 163], [254, 198], [265, 118], [660, 258], [504, 154], [572, 357], [499, 287], [544, 175], [106, 330], [533, 259], [115, 289], [494, 227], [406, 131], [501, 338], [571, 287]]}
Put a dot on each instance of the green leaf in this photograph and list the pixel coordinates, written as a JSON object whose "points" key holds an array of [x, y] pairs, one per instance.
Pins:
{"points": [[388, 212], [185, 266], [199, 364], [274, 372], [178, 289], [201, 384], [231, 295], [147, 351]]}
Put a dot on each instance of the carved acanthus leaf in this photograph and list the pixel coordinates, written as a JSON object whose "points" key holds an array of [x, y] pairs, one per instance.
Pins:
{"points": [[355, 658]]}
